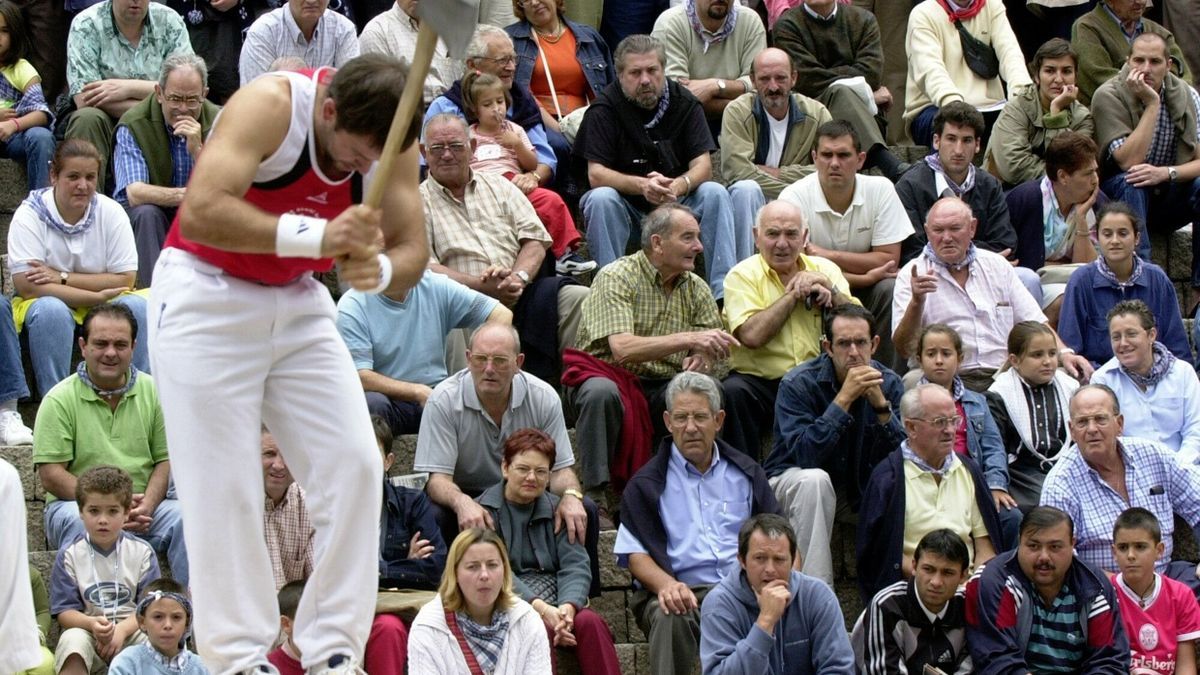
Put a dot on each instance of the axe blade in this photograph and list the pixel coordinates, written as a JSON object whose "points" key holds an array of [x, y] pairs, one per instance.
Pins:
{"points": [[453, 21]]}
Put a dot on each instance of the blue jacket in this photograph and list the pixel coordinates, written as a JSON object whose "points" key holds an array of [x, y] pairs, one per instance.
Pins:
{"points": [[590, 50], [810, 637], [1083, 323], [984, 443], [405, 512], [1025, 213]]}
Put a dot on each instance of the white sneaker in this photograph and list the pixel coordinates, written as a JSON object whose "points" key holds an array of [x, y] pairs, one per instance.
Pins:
{"points": [[340, 665], [13, 430]]}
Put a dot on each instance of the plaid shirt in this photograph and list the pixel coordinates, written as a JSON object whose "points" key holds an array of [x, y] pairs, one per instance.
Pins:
{"points": [[129, 164], [276, 35], [628, 297], [96, 50], [289, 535], [1153, 480], [1162, 145]]}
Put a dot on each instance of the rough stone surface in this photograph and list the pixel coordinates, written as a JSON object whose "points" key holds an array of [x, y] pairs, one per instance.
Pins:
{"points": [[13, 186], [611, 574], [611, 606], [21, 457]]}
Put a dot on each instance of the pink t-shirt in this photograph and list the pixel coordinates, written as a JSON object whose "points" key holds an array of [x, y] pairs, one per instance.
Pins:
{"points": [[491, 157], [1170, 616]]}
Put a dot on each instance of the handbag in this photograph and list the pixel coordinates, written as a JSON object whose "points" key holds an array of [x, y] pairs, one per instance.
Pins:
{"points": [[568, 124], [981, 57]]}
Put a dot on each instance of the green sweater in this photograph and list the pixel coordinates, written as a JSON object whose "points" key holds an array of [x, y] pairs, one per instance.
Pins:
{"points": [[745, 142], [1103, 48], [1117, 111], [145, 121], [1016, 150], [824, 51]]}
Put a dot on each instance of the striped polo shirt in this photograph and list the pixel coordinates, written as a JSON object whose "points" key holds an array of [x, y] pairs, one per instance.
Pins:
{"points": [[1056, 640]]}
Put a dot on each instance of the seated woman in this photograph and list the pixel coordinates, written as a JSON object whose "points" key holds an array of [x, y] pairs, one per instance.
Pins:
{"points": [[70, 248], [1118, 274], [24, 116], [1029, 401], [940, 350], [1034, 117], [1159, 394], [477, 624], [550, 572], [1054, 215]]}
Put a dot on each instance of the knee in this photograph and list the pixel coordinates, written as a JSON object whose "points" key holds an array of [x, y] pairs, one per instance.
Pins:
{"points": [[600, 199], [47, 309], [148, 215], [88, 120], [388, 625], [599, 393], [589, 624], [40, 141], [711, 192]]}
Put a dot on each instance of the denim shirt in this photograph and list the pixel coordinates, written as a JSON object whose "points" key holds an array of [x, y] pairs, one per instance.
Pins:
{"points": [[590, 50], [984, 443]]}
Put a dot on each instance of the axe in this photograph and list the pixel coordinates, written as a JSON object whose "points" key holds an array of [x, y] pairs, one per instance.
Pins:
{"points": [[454, 22]]}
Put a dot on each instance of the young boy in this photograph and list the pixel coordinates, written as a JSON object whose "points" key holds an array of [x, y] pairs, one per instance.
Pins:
{"points": [[920, 622], [286, 658], [96, 579], [412, 552], [1160, 614], [165, 616]]}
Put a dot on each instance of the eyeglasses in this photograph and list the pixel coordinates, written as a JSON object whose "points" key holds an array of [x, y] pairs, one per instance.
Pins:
{"points": [[951, 422], [538, 473], [681, 419], [526, 3], [482, 360], [502, 60], [1087, 421], [439, 148], [189, 101]]}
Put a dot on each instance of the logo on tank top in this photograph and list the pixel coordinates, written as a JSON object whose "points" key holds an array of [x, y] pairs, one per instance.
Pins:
{"points": [[322, 199], [302, 211]]}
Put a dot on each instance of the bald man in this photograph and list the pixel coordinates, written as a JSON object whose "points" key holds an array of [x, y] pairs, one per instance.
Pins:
{"points": [[773, 303]]}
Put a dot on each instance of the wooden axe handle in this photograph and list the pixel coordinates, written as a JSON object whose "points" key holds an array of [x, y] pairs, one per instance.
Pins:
{"points": [[414, 92]]}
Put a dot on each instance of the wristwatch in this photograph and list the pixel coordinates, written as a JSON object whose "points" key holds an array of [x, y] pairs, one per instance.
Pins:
{"points": [[721, 86], [62, 277], [574, 493], [1172, 173], [523, 276]]}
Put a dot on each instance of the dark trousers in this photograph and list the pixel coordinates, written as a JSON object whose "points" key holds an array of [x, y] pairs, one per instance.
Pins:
{"points": [[150, 224], [749, 411], [403, 417], [49, 21], [674, 638]]}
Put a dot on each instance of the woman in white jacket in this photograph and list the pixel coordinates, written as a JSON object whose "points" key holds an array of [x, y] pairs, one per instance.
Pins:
{"points": [[476, 624]]}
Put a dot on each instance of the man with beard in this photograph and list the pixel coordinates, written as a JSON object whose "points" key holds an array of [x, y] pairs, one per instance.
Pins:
{"points": [[646, 144]]}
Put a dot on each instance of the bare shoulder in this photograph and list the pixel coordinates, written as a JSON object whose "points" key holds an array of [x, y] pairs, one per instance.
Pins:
{"points": [[257, 116]]}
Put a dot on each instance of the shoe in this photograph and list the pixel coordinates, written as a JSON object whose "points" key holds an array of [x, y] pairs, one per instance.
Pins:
{"points": [[13, 430], [572, 263], [901, 169], [340, 665]]}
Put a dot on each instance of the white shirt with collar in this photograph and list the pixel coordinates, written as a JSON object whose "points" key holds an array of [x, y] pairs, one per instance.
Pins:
{"points": [[876, 217], [276, 34]]}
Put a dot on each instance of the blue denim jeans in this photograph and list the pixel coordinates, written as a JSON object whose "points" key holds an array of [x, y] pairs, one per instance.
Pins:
{"points": [[36, 146], [50, 326], [747, 198], [64, 526], [1174, 205], [12, 374]]}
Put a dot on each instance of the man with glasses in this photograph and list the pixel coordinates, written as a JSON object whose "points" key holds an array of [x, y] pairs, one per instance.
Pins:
{"points": [[923, 486], [1104, 473], [157, 143]]}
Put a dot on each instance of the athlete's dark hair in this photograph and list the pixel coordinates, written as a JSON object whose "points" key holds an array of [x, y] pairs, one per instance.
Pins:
{"points": [[366, 92]]}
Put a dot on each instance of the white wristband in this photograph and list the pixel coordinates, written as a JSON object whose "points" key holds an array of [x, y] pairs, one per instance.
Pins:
{"points": [[385, 274], [298, 236]]}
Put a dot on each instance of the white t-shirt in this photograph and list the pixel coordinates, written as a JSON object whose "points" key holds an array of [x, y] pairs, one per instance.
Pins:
{"points": [[875, 216], [106, 247], [779, 130]]}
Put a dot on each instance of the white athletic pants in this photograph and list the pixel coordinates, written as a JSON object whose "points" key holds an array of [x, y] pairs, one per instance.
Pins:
{"points": [[229, 355], [19, 645]]}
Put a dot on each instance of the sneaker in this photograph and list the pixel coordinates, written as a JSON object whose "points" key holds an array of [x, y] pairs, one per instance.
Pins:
{"points": [[13, 430], [572, 263], [340, 665]]}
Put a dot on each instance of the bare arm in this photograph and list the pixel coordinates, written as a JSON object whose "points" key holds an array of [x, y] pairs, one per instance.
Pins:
{"points": [[397, 389], [904, 338], [442, 490], [73, 618], [471, 282], [860, 263], [403, 222], [563, 479], [984, 551], [602, 176], [500, 314], [698, 171], [57, 481], [1185, 658], [156, 485], [761, 327], [144, 193], [81, 290], [645, 570], [629, 348], [530, 257]]}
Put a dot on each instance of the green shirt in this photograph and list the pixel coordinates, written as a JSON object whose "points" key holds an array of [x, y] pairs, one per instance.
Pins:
{"points": [[96, 50], [77, 427]]}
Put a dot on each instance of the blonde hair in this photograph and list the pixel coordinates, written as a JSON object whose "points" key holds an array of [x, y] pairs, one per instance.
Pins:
{"points": [[452, 598]]}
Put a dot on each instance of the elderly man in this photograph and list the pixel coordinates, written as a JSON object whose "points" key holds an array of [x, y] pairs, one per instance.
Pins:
{"points": [[767, 136], [710, 45], [751, 621], [836, 417], [1103, 474], [115, 52], [773, 305], [975, 292], [693, 478], [397, 339], [485, 235], [1147, 127], [922, 486], [303, 29], [856, 221], [1103, 39], [108, 413], [837, 51], [158, 141], [1023, 604], [646, 144], [648, 318], [394, 32]]}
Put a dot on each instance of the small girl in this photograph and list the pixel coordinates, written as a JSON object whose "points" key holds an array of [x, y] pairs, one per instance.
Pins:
{"points": [[1032, 408], [165, 616], [24, 116], [502, 147]]}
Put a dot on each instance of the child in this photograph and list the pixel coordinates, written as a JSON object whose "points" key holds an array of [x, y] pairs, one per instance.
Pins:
{"points": [[24, 115], [1160, 614], [165, 616], [96, 578], [286, 658], [503, 147]]}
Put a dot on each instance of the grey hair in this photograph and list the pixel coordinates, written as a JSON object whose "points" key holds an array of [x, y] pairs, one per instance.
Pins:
{"points": [[484, 34], [1112, 396], [911, 407], [177, 61], [691, 382], [506, 327], [446, 118], [776, 205], [659, 221], [639, 44]]}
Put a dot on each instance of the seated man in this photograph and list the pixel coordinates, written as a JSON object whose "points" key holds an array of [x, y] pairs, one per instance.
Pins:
{"points": [[397, 341], [975, 292], [1104, 474], [773, 305], [108, 413], [693, 478], [1147, 127], [768, 617], [484, 234], [646, 144], [837, 50], [920, 487], [115, 52], [157, 142], [919, 622], [1103, 38], [1024, 602], [302, 29], [394, 32], [836, 417], [939, 72], [856, 221]]}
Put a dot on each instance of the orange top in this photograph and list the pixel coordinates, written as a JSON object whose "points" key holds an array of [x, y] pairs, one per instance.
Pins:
{"points": [[569, 81]]}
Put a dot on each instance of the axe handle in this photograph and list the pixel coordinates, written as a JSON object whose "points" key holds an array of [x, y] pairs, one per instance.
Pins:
{"points": [[414, 92]]}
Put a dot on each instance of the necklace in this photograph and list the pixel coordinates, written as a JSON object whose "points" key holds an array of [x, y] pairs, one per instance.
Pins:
{"points": [[553, 36]]}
